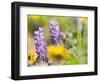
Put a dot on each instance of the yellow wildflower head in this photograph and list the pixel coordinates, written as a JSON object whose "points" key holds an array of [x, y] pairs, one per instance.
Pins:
{"points": [[32, 57], [58, 53]]}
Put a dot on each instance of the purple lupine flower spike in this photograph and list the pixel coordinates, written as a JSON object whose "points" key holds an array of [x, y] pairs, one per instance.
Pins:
{"points": [[56, 36], [36, 39], [41, 47], [54, 29]]}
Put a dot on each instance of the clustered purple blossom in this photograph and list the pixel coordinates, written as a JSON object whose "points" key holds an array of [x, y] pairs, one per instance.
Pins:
{"points": [[56, 36], [40, 43], [41, 47]]}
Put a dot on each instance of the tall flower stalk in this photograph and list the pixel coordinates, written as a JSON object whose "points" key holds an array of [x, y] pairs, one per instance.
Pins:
{"points": [[40, 44], [56, 35]]}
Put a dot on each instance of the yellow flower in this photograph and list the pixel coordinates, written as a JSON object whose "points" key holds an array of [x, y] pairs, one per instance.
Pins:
{"points": [[58, 53], [32, 57], [35, 17], [84, 20]]}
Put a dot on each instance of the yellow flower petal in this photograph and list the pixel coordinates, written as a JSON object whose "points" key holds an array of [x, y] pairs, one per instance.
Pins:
{"points": [[32, 57], [58, 53]]}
